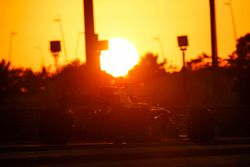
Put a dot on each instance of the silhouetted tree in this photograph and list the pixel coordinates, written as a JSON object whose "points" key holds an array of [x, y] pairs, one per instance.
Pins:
{"points": [[20, 80], [147, 69], [4, 76], [31, 82], [202, 61], [74, 78], [240, 64], [243, 52], [70, 78], [11, 78]]}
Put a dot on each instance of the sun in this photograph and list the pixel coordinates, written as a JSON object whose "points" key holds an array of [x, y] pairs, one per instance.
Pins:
{"points": [[120, 58]]}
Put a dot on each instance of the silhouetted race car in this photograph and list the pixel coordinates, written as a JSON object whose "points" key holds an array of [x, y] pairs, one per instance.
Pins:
{"points": [[110, 115]]}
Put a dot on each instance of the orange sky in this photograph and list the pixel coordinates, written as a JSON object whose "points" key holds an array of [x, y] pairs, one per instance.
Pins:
{"points": [[139, 21]]}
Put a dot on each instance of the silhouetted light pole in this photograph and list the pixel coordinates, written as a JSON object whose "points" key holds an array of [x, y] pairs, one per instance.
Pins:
{"points": [[92, 58], [55, 48], [229, 3], [62, 35], [41, 54], [79, 34], [214, 52], [160, 44], [12, 33], [183, 43], [213, 35], [92, 45]]}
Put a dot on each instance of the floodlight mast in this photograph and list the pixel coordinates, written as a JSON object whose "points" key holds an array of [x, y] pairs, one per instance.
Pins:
{"points": [[92, 56], [214, 52], [213, 35], [183, 44]]}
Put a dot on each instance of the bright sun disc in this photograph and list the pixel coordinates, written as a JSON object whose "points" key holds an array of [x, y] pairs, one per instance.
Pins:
{"points": [[120, 58]]}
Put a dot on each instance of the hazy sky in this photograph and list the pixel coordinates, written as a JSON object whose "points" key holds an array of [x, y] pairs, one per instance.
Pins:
{"points": [[139, 21]]}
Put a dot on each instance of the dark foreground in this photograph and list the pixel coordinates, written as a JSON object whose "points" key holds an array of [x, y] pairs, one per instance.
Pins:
{"points": [[173, 153]]}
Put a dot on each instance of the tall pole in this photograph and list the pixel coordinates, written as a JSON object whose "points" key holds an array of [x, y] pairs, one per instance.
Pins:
{"points": [[214, 53], [229, 3], [77, 43], [62, 36], [41, 55], [12, 33], [184, 74], [213, 35], [92, 57], [63, 40], [160, 44], [183, 44]]}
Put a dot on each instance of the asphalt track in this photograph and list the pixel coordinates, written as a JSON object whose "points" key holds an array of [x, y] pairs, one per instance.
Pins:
{"points": [[226, 152]]}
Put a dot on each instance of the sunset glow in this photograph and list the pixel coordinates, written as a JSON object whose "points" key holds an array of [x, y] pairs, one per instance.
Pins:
{"points": [[120, 58], [140, 21]]}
